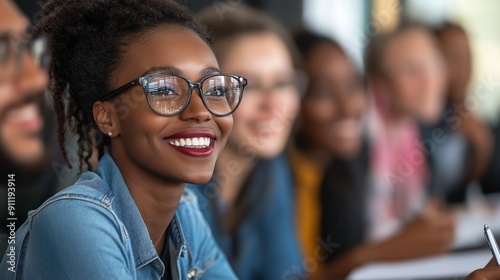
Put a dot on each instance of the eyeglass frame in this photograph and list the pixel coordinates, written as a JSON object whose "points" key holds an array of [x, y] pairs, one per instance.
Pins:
{"points": [[144, 81], [18, 44]]}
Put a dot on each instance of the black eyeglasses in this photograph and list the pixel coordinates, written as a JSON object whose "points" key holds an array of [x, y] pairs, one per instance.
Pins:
{"points": [[11, 48], [168, 95]]}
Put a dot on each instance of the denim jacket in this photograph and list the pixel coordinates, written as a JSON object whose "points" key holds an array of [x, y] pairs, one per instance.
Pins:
{"points": [[264, 245], [93, 230]]}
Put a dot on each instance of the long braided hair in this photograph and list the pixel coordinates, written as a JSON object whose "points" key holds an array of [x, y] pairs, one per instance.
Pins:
{"points": [[88, 39]]}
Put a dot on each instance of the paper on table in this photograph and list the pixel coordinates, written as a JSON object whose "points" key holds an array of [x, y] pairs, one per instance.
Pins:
{"points": [[449, 265], [470, 222]]}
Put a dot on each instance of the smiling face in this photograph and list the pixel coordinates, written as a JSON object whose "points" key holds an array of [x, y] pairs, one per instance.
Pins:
{"points": [[21, 97], [143, 142], [334, 103], [271, 100]]}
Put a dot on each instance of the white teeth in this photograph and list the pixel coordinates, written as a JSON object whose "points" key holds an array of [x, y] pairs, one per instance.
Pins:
{"points": [[195, 142], [26, 112]]}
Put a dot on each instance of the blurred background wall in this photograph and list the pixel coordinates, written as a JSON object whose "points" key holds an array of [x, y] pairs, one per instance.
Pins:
{"points": [[353, 22]]}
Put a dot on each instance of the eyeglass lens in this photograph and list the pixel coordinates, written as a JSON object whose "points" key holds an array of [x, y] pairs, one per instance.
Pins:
{"points": [[11, 49], [168, 95]]}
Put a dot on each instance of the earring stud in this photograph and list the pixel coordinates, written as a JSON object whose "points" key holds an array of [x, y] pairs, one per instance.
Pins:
{"points": [[110, 133]]}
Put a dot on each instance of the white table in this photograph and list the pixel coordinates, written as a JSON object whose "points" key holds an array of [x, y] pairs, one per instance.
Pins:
{"points": [[444, 266]]}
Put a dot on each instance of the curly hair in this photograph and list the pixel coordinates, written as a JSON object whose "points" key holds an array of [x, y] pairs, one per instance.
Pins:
{"points": [[88, 39]]}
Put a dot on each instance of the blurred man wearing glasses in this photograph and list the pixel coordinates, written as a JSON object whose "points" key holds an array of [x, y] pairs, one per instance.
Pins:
{"points": [[27, 148], [24, 78]]}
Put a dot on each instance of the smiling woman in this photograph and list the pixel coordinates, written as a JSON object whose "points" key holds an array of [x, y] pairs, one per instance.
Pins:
{"points": [[247, 203], [146, 96]]}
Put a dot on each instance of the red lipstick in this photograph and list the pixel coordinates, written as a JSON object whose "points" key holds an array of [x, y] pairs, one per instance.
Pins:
{"points": [[195, 143]]}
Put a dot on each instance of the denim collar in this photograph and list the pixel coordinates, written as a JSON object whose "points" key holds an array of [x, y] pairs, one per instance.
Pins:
{"points": [[128, 213]]}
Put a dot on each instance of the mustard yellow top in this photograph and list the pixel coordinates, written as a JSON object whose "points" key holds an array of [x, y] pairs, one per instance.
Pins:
{"points": [[308, 178]]}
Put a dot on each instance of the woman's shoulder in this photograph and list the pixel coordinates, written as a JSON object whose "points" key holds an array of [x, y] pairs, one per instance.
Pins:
{"points": [[89, 185], [76, 216], [88, 198], [75, 230]]}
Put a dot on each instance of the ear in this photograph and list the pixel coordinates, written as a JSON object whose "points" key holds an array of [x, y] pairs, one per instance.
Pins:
{"points": [[106, 118]]}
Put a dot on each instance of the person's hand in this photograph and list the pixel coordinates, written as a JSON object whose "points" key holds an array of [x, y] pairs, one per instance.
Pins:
{"points": [[430, 234], [490, 272]]}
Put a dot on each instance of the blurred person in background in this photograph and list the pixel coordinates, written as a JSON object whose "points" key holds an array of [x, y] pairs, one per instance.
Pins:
{"points": [[334, 162], [329, 158], [490, 181], [470, 142], [248, 203], [483, 155], [406, 78], [27, 147]]}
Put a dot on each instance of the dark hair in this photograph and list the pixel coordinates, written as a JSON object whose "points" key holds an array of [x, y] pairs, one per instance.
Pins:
{"points": [[375, 51], [240, 21], [447, 26], [88, 39], [306, 41]]}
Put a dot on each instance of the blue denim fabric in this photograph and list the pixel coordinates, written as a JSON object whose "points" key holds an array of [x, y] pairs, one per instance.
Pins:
{"points": [[93, 230], [264, 245]]}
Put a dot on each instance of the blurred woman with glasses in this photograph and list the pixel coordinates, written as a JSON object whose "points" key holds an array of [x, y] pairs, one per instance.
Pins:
{"points": [[146, 95], [248, 202]]}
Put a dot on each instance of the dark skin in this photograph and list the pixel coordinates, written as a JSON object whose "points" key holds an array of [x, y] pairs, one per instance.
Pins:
{"points": [[490, 272], [138, 143], [335, 95], [333, 106], [456, 49]]}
